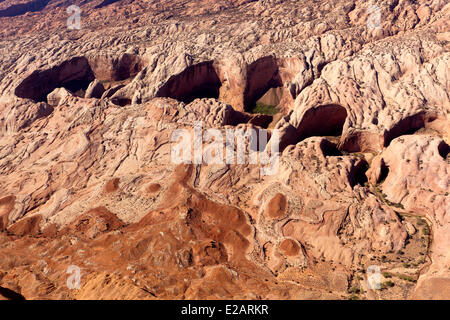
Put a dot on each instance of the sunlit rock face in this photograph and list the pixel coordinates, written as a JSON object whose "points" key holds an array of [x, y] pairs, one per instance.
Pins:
{"points": [[355, 96]]}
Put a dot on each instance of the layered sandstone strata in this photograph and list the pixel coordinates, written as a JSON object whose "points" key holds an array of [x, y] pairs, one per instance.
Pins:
{"points": [[87, 116]]}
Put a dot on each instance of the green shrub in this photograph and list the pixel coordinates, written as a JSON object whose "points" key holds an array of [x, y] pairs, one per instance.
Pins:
{"points": [[354, 290], [420, 222], [407, 278], [265, 109]]}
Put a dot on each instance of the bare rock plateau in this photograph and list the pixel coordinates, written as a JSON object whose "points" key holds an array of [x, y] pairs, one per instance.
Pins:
{"points": [[356, 92]]}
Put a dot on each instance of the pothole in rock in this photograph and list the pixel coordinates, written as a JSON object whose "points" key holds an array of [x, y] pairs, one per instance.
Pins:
{"points": [[74, 75], [78, 73], [268, 91], [444, 151], [358, 173], [330, 149], [265, 89], [408, 125], [323, 121], [195, 82]]}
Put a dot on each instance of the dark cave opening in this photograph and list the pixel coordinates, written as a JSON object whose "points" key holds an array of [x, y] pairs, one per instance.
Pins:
{"points": [[444, 150], [408, 125], [384, 172], [78, 87], [121, 101], [201, 91], [329, 149], [196, 81], [74, 75], [10, 294], [264, 87], [77, 74], [358, 174], [325, 120], [321, 121]]}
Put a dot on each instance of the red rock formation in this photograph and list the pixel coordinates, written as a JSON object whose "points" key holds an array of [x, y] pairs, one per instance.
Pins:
{"points": [[87, 178], [6, 206]]}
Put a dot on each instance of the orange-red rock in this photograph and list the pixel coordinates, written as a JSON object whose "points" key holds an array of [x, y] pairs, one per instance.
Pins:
{"points": [[87, 177]]}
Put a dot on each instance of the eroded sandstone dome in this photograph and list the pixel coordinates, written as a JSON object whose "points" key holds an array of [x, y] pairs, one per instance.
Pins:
{"points": [[358, 92]]}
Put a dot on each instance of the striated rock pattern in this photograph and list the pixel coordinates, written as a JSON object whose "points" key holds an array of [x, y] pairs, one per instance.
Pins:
{"points": [[88, 179]]}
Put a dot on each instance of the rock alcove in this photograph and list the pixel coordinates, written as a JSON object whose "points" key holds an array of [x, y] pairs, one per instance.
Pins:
{"points": [[78, 73]]}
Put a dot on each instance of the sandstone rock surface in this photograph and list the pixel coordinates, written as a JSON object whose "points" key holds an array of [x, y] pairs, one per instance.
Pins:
{"points": [[87, 176]]}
